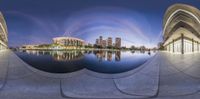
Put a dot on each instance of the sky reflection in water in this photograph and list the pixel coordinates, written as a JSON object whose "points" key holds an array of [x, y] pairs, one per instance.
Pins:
{"points": [[98, 61]]}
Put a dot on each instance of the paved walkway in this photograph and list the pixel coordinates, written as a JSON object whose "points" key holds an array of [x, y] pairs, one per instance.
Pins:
{"points": [[165, 76]]}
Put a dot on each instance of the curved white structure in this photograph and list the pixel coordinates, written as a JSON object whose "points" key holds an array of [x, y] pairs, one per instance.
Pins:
{"points": [[3, 33], [181, 29], [68, 41]]}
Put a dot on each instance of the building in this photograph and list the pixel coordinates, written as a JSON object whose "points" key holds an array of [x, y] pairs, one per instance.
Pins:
{"points": [[29, 47], [104, 43], [67, 55], [68, 41], [100, 40], [117, 42], [97, 42], [109, 41], [181, 32], [3, 33]]}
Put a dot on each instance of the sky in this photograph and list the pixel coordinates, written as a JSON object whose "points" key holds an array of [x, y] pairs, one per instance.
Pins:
{"points": [[137, 22]]}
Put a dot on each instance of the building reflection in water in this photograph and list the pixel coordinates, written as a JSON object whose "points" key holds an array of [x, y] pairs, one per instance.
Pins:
{"points": [[101, 55], [107, 55], [117, 55], [67, 55], [59, 55]]}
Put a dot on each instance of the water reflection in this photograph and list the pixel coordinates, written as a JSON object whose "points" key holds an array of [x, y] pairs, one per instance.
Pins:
{"points": [[103, 61], [59, 55], [107, 55], [101, 55]]}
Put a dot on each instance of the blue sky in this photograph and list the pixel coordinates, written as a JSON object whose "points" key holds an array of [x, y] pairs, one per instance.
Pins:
{"points": [[137, 22]]}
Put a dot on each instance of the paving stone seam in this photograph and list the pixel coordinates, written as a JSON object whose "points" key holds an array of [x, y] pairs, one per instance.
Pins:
{"points": [[6, 76], [147, 96], [142, 96], [194, 93], [172, 65]]}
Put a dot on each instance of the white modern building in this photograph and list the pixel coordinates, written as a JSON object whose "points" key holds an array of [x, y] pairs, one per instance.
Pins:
{"points": [[3, 33], [181, 29], [68, 41]]}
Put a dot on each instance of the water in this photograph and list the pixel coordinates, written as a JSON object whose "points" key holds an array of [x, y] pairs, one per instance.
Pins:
{"points": [[98, 61]]}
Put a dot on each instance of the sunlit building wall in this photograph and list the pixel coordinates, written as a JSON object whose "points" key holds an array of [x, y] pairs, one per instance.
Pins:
{"points": [[181, 30], [3, 33], [68, 41]]}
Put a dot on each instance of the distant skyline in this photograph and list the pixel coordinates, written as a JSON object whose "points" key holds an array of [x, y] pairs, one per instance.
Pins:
{"points": [[136, 22]]}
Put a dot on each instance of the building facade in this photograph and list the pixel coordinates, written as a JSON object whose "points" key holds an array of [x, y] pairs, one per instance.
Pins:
{"points": [[100, 40], [181, 29], [97, 42], [3, 33], [104, 43], [29, 46], [109, 41], [68, 41], [117, 42]]}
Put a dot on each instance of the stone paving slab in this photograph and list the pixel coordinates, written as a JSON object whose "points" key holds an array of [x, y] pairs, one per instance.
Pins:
{"points": [[24, 84], [17, 68], [85, 86], [3, 67], [145, 82], [31, 87], [193, 71], [177, 83], [188, 64], [191, 96]]}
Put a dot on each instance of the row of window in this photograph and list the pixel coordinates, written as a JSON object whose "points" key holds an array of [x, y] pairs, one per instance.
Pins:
{"points": [[187, 45], [65, 42]]}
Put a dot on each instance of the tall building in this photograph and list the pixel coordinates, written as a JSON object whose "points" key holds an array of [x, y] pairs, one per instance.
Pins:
{"points": [[118, 42], [104, 43], [100, 40], [181, 30], [109, 41], [3, 33], [97, 42]]}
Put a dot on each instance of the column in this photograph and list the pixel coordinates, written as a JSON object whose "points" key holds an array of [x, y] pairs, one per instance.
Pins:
{"points": [[173, 45], [182, 44], [192, 45], [197, 46]]}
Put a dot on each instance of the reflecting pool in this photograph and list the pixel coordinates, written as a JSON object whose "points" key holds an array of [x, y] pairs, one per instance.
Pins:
{"points": [[102, 61]]}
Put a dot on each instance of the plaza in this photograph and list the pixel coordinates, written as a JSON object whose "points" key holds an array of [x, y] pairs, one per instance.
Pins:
{"points": [[164, 76], [159, 78]]}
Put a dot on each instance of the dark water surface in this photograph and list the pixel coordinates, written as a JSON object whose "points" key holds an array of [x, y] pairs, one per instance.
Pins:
{"points": [[98, 61]]}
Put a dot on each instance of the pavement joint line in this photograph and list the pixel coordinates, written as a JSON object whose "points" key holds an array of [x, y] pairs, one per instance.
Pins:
{"points": [[6, 76]]}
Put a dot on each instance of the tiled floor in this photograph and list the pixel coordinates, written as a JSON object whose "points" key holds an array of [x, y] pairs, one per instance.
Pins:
{"points": [[166, 76]]}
